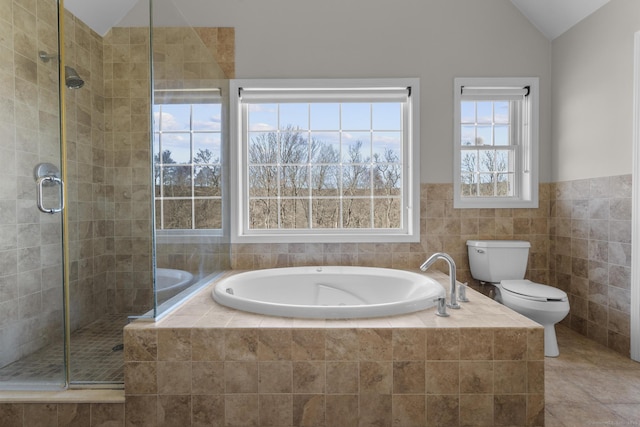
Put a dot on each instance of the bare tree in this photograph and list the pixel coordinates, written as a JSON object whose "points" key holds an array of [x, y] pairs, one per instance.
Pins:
{"points": [[387, 176]]}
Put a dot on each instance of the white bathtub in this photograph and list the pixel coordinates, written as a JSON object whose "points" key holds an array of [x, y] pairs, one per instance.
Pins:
{"points": [[170, 282], [328, 292]]}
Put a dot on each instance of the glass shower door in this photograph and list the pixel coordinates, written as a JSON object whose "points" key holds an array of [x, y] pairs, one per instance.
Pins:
{"points": [[31, 217]]}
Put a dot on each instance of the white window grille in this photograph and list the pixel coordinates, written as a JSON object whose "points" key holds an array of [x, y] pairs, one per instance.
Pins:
{"points": [[187, 151], [325, 160], [496, 142]]}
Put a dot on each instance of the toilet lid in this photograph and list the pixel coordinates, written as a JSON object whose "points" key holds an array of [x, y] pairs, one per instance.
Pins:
{"points": [[530, 289]]}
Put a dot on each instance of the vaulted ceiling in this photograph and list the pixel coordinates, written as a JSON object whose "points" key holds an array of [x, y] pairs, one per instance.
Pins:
{"points": [[550, 17]]}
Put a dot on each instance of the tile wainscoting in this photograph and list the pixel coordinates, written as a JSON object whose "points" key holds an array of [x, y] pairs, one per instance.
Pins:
{"points": [[580, 236]]}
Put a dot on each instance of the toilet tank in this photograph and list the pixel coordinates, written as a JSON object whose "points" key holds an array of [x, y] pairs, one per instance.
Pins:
{"points": [[496, 260]]}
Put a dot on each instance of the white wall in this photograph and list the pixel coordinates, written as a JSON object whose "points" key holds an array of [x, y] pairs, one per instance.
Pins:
{"points": [[592, 94], [435, 40]]}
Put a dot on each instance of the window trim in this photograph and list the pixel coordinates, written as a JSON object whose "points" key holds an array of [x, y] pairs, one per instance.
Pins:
{"points": [[411, 160], [526, 181]]}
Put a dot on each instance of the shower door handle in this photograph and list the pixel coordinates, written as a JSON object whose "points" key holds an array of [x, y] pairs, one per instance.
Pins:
{"points": [[49, 180]]}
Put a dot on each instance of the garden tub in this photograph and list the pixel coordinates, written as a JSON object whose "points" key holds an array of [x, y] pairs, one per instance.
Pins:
{"points": [[328, 292], [170, 282]]}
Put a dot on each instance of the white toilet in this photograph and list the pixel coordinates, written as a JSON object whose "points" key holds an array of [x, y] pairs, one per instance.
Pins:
{"points": [[503, 263]]}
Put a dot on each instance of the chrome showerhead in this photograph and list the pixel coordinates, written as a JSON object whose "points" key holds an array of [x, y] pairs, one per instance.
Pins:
{"points": [[72, 79]]}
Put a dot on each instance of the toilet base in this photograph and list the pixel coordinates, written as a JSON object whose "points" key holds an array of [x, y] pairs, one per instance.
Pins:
{"points": [[550, 341]]}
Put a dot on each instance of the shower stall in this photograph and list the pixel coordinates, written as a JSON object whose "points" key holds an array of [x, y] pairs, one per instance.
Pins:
{"points": [[113, 134]]}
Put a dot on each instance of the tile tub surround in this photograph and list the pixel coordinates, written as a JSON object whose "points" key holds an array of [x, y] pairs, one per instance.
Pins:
{"points": [[206, 364]]}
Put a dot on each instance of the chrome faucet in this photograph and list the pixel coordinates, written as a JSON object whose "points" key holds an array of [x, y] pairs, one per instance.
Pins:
{"points": [[453, 301]]}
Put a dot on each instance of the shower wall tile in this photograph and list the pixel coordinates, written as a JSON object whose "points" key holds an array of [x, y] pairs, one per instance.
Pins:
{"points": [[590, 259]]}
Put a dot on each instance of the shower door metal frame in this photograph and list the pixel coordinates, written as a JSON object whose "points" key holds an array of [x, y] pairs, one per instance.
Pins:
{"points": [[65, 213]]}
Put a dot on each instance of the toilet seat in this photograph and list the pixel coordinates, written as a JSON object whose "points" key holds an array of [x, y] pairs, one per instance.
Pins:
{"points": [[533, 291]]}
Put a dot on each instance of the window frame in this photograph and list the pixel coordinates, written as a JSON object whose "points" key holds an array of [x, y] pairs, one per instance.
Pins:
{"points": [[240, 232], [525, 150]]}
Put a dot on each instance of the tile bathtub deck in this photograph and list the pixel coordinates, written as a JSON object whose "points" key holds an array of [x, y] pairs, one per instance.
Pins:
{"points": [[202, 312], [589, 384]]}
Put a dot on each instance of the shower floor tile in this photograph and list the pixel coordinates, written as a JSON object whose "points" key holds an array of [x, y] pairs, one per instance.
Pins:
{"points": [[96, 356]]}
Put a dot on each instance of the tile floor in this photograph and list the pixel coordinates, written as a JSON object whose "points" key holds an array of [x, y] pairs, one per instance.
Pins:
{"points": [[590, 385], [94, 356]]}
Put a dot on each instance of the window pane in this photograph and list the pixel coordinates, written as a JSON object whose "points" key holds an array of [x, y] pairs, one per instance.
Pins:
{"points": [[469, 161], [175, 117], [177, 181], [358, 146], [387, 147], [387, 179], [468, 135], [486, 186], [501, 135], [323, 140], [263, 181], [467, 112], [294, 213], [484, 135], [387, 116], [294, 147], [504, 184], [176, 214], [206, 117], [486, 161], [325, 116], [208, 214], [178, 146], [206, 147], [326, 213], [263, 117], [356, 151], [485, 112], [325, 151], [263, 148], [207, 181], [387, 213], [501, 112], [325, 180], [356, 213], [356, 180], [294, 116], [502, 161], [263, 213], [468, 185], [294, 181], [356, 116]]}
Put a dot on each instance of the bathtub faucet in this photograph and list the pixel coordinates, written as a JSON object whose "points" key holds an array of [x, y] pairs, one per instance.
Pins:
{"points": [[453, 301]]}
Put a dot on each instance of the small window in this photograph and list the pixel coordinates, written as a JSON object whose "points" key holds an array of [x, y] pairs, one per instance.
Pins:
{"points": [[187, 151], [496, 143], [326, 160]]}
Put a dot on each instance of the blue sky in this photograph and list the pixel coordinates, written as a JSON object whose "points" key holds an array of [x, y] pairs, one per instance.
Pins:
{"points": [[378, 126], [175, 118]]}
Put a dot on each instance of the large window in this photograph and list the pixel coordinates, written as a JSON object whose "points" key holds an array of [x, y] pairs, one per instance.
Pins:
{"points": [[496, 142], [326, 160], [187, 159]]}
